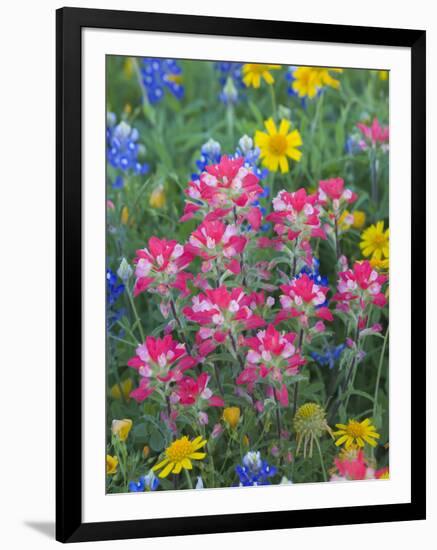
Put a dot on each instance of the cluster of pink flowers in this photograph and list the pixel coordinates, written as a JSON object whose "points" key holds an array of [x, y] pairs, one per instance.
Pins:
{"points": [[303, 298], [360, 286], [271, 356], [223, 312], [356, 468], [158, 266], [375, 134], [222, 298], [159, 362], [223, 189]]}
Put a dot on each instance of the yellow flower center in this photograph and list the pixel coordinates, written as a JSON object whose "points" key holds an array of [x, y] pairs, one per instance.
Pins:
{"points": [[379, 239], [179, 450], [278, 145], [355, 429], [308, 410]]}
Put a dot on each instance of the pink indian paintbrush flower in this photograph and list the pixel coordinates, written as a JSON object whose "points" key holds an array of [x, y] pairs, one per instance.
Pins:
{"points": [[191, 391], [303, 299], [216, 240], [159, 361], [158, 265], [352, 468], [333, 195], [226, 188], [361, 285], [220, 312], [375, 133], [296, 215], [271, 355]]}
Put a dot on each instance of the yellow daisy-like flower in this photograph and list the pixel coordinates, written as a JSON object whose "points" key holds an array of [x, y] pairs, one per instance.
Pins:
{"points": [[179, 455], [157, 198], [231, 415], [122, 389], [111, 464], [375, 241], [308, 80], [121, 428], [278, 144], [380, 265], [383, 75], [356, 433], [254, 72]]}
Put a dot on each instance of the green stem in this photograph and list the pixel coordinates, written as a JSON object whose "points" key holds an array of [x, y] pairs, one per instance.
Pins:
{"points": [[278, 415], [135, 312], [378, 376], [189, 482], [230, 122], [337, 239], [273, 96], [374, 175], [325, 477]]}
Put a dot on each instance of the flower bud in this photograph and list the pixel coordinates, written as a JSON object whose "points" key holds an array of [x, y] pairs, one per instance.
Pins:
{"points": [[111, 464], [124, 271], [121, 428], [231, 415]]}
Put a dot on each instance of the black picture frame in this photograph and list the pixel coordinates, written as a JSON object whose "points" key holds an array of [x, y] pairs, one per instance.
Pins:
{"points": [[69, 25]]}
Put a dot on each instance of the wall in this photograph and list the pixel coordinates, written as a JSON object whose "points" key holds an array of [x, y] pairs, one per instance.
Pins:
{"points": [[27, 138]]}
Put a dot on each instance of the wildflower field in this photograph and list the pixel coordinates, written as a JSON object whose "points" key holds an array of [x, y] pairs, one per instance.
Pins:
{"points": [[247, 274]]}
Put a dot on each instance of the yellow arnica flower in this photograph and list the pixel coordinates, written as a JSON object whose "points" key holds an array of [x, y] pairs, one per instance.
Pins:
{"points": [[276, 145], [355, 219], [375, 241], [246, 440], [308, 80], [253, 72], [121, 428], [146, 451], [124, 218], [157, 198], [383, 75], [231, 415], [356, 433], [309, 423], [359, 219], [179, 455], [126, 388], [111, 464], [380, 265]]}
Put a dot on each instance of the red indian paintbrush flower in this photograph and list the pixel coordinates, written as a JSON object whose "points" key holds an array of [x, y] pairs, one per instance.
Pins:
{"points": [[191, 391], [158, 265], [159, 361], [271, 355], [360, 285], [296, 215], [227, 188], [302, 298], [215, 240]]}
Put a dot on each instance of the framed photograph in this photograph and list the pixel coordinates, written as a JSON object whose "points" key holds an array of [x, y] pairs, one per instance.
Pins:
{"points": [[240, 251]]}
